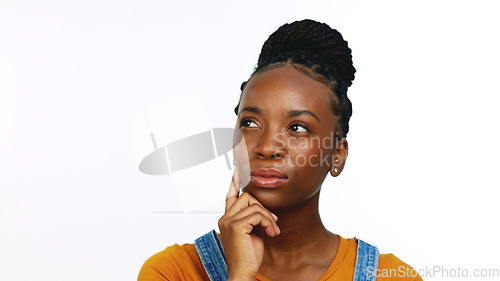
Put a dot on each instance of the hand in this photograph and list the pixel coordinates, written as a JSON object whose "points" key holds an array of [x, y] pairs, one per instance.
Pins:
{"points": [[244, 250]]}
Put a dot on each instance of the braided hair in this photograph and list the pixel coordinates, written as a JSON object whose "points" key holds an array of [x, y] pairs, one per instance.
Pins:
{"points": [[317, 51]]}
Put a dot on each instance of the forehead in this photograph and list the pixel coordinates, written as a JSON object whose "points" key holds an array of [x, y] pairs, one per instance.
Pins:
{"points": [[285, 88]]}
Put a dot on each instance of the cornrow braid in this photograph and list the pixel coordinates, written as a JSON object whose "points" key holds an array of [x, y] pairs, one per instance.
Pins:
{"points": [[317, 51]]}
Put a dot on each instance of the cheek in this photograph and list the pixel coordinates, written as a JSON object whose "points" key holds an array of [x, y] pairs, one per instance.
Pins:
{"points": [[310, 155]]}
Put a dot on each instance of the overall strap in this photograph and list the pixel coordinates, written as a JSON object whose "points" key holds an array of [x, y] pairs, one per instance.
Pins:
{"points": [[366, 262], [212, 256]]}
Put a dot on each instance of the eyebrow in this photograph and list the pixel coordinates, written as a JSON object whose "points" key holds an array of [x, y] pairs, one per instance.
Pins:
{"points": [[253, 109], [294, 113], [291, 113]]}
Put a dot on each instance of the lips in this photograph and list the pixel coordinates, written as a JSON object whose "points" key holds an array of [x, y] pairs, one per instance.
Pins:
{"points": [[268, 178]]}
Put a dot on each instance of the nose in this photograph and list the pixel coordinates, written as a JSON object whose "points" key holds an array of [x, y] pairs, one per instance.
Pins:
{"points": [[270, 145]]}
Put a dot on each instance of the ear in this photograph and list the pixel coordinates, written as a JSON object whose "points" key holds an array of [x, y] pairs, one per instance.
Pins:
{"points": [[339, 157]]}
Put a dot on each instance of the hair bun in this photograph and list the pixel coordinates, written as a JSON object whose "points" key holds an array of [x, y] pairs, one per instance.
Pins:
{"points": [[309, 38]]}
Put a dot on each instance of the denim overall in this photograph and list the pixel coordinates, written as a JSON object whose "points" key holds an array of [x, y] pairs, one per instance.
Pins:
{"points": [[212, 257]]}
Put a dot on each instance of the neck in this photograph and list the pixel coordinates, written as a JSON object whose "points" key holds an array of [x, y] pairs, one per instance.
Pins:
{"points": [[302, 234]]}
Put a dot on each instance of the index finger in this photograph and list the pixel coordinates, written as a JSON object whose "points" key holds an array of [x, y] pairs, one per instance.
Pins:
{"points": [[234, 189]]}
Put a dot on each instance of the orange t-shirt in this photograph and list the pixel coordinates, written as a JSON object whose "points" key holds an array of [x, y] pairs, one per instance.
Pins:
{"points": [[182, 263]]}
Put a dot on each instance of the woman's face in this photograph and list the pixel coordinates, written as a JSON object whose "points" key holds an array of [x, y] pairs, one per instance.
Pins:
{"points": [[288, 126]]}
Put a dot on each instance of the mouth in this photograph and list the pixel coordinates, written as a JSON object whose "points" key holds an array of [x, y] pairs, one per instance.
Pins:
{"points": [[268, 178]]}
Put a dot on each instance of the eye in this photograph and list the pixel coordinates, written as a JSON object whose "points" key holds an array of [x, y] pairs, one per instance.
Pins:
{"points": [[298, 128], [248, 123]]}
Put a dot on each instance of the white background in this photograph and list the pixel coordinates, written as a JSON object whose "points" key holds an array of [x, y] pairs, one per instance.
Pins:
{"points": [[421, 179]]}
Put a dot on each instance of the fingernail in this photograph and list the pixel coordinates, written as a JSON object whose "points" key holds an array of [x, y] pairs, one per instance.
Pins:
{"points": [[278, 228], [274, 216]]}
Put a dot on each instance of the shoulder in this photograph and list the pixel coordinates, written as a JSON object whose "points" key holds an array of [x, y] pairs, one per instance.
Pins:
{"points": [[176, 262], [392, 268]]}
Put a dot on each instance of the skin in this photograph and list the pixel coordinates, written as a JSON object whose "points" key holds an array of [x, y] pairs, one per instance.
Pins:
{"points": [[300, 248]]}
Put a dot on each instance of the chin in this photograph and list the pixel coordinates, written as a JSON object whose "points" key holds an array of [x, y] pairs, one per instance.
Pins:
{"points": [[269, 198]]}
